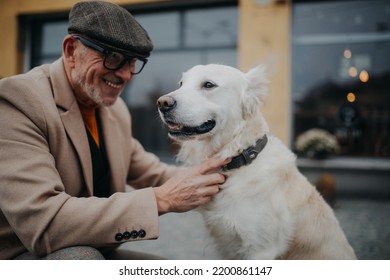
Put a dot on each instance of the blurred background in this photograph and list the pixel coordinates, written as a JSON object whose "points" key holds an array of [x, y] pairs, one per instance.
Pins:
{"points": [[329, 101]]}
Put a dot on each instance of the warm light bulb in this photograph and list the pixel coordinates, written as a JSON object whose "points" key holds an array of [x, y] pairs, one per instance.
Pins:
{"points": [[364, 77], [347, 53], [351, 97], [352, 71]]}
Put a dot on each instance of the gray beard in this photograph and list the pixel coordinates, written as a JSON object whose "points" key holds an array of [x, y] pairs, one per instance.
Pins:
{"points": [[93, 93]]}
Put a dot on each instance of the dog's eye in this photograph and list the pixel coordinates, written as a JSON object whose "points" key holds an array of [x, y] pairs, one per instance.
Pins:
{"points": [[209, 85], [180, 84]]}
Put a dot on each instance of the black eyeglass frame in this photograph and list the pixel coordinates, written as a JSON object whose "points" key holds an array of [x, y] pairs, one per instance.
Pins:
{"points": [[106, 52]]}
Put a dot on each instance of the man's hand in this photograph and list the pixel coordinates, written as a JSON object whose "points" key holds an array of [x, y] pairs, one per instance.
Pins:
{"points": [[191, 188]]}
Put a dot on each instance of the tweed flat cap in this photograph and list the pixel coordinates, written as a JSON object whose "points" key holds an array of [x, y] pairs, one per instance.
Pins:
{"points": [[110, 26]]}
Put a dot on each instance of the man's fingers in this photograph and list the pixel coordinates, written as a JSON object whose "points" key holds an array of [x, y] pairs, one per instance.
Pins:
{"points": [[216, 179], [213, 163], [213, 190], [209, 180]]}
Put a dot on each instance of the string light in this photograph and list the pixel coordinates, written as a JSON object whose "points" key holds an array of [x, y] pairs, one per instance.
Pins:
{"points": [[351, 97], [364, 77], [352, 71], [347, 53]]}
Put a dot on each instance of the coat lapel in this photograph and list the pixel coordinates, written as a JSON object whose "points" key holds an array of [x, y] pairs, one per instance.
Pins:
{"points": [[72, 119]]}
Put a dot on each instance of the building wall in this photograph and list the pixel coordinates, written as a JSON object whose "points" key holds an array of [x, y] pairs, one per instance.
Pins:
{"points": [[264, 38]]}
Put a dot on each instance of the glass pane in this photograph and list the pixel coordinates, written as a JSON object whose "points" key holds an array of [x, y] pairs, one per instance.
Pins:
{"points": [[163, 28], [211, 27], [341, 82], [341, 17], [52, 35]]}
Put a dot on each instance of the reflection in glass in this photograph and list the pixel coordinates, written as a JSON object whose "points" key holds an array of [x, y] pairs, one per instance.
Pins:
{"points": [[341, 73], [211, 27]]}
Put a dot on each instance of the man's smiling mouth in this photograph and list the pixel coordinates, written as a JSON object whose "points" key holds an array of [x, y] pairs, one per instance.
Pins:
{"points": [[112, 84]]}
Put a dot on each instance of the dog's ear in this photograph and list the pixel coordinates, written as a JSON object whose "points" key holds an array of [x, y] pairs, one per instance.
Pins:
{"points": [[255, 91]]}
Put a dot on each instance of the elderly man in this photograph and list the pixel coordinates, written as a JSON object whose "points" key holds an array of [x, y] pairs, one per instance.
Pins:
{"points": [[67, 151]]}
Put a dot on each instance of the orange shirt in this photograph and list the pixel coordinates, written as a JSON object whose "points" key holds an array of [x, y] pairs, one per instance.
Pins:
{"points": [[90, 122]]}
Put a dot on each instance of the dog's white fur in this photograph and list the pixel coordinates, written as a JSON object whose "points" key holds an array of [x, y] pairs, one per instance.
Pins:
{"points": [[265, 210]]}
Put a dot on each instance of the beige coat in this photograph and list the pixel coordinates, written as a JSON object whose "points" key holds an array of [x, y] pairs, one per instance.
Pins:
{"points": [[46, 171]]}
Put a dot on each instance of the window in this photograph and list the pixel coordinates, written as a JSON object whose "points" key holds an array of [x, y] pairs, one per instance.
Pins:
{"points": [[341, 73], [182, 37]]}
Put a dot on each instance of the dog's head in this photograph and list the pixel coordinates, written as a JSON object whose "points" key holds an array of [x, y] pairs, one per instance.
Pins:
{"points": [[212, 100]]}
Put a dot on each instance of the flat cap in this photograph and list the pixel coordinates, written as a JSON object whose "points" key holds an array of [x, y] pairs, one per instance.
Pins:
{"points": [[110, 26]]}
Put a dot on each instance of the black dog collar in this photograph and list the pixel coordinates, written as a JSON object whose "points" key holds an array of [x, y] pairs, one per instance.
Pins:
{"points": [[247, 156]]}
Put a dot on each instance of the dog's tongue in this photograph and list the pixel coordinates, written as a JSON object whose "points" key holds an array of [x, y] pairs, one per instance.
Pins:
{"points": [[174, 126]]}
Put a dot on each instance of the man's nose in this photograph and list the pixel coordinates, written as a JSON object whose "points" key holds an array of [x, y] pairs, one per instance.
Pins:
{"points": [[125, 72]]}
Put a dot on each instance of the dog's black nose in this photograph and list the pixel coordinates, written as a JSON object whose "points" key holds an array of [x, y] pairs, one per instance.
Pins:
{"points": [[166, 103]]}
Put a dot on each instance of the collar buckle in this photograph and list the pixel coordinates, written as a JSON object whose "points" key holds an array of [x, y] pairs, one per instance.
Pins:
{"points": [[250, 155], [247, 156]]}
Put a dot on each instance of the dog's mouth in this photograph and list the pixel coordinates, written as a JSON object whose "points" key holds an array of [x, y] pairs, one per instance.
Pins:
{"points": [[180, 130]]}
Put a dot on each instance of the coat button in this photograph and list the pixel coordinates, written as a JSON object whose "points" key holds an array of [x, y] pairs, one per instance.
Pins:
{"points": [[134, 234], [118, 237], [141, 233], [126, 235]]}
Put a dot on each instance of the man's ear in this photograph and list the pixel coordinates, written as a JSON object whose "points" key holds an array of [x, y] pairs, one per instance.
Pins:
{"points": [[68, 50], [256, 90]]}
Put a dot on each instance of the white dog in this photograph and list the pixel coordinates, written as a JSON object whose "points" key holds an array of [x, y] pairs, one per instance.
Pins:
{"points": [[266, 209]]}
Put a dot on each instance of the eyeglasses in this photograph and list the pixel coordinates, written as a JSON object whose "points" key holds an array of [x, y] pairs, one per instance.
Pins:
{"points": [[114, 60]]}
